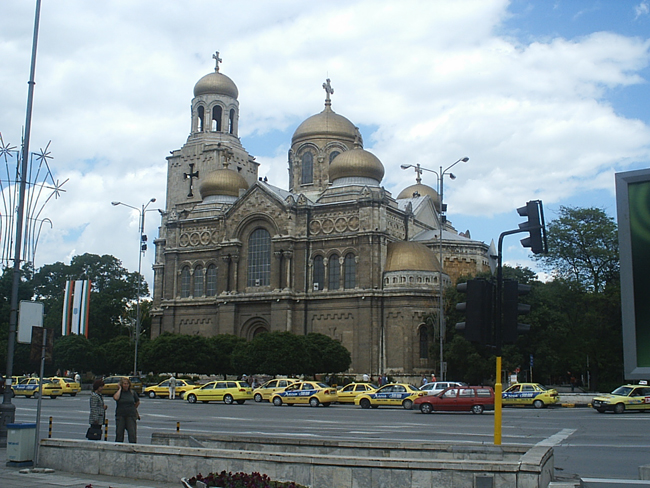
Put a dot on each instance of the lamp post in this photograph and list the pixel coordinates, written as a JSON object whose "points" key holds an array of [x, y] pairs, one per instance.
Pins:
{"points": [[442, 219], [142, 248]]}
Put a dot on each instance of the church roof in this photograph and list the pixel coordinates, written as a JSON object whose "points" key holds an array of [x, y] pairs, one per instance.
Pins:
{"points": [[410, 256], [216, 84], [357, 163], [222, 182], [420, 190]]}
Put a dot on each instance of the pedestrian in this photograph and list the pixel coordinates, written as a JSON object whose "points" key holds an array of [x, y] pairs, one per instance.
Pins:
{"points": [[573, 383], [126, 411], [366, 378], [77, 378], [97, 409], [384, 379], [172, 387], [433, 378], [424, 380]]}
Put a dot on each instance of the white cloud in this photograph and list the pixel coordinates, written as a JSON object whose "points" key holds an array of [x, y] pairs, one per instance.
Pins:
{"points": [[114, 85]]}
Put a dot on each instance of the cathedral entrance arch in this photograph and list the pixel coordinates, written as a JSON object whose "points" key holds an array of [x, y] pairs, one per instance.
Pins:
{"points": [[254, 327]]}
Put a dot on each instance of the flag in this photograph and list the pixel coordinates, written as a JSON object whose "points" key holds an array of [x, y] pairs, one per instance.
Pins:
{"points": [[76, 303]]}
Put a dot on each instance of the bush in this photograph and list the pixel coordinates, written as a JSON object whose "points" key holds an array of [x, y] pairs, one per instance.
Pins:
{"points": [[242, 480]]}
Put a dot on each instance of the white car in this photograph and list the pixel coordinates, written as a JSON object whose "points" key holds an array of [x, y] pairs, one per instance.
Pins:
{"points": [[438, 386]]}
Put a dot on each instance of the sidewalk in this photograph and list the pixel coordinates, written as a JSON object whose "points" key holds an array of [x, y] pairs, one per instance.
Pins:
{"points": [[13, 478]]}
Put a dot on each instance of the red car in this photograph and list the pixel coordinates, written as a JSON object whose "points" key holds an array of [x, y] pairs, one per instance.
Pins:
{"points": [[473, 399]]}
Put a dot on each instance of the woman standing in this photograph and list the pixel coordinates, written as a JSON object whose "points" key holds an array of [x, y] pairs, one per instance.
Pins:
{"points": [[97, 407], [126, 411]]}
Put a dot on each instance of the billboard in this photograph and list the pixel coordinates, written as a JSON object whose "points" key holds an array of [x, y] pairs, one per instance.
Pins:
{"points": [[633, 209]]}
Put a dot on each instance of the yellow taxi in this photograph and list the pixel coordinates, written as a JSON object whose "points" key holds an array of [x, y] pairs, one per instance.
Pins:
{"points": [[626, 397], [313, 393], [265, 392], [162, 389], [529, 394], [393, 394], [68, 385], [227, 391], [29, 387], [348, 393]]}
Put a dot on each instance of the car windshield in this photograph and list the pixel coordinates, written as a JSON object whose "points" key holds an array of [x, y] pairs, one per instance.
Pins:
{"points": [[323, 385], [622, 391], [542, 387]]}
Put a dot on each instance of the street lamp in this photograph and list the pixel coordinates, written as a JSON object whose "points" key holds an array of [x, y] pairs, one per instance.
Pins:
{"points": [[440, 182], [142, 248]]}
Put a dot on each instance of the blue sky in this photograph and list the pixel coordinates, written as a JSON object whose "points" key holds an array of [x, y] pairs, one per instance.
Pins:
{"points": [[548, 99]]}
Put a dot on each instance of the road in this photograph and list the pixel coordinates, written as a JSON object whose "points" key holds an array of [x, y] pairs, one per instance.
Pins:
{"points": [[586, 444]]}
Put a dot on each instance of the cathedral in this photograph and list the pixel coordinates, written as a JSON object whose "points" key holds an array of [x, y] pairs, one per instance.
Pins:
{"points": [[335, 253]]}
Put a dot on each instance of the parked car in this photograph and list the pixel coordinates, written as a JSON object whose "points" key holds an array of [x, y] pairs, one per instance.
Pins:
{"points": [[529, 394], [266, 391], [473, 399], [347, 393], [626, 397], [438, 386], [68, 385], [306, 392], [162, 389], [29, 387], [111, 384], [227, 391], [394, 394]]}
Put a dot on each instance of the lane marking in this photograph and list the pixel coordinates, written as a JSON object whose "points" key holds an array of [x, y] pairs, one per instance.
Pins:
{"points": [[556, 439]]}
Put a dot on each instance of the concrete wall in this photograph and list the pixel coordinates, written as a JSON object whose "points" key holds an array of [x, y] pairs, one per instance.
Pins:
{"points": [[324, 464]]}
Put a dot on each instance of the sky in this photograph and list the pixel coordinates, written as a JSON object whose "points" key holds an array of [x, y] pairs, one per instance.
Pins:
{"points": [[547, 98]]}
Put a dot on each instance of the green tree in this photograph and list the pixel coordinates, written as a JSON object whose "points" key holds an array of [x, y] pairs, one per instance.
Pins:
{"points": [[582, 248], [73, 352], [326, 355], [179, 353], [222, 347], [274, 353]]}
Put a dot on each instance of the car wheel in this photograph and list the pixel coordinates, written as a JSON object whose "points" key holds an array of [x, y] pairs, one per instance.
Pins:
{"points": [[426, 408], [227, 399], [407, 404], [258, 398], [600, 410], [53, 397], [191, 398], [326, 404], [374, 406], [313, 402], [277, 401], [240, 402], [477, 409], [364, 403], [538, 404], [35, 395], [152, 394], [619, 408], [73, 394]]}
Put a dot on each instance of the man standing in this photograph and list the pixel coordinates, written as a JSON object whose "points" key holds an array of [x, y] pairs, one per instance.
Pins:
{"points": [[172, 387]]}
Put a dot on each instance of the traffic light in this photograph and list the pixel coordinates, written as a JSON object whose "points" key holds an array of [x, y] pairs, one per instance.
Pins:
{"points": [[512, 290], [535, 226], [478, 310]]}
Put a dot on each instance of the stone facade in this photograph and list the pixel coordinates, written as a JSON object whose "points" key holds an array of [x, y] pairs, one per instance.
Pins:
{"points": [[236, 255]]}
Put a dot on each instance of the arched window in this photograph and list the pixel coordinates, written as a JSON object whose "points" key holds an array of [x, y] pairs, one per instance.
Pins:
{"points": [[186, 280], [424, 342], [211, 281], [198, 282], [307, 168], [259, 258], [334, 273], [333, 154], [350, 272], [319, 273], [201, 114], [216, 119], [231, 121]]}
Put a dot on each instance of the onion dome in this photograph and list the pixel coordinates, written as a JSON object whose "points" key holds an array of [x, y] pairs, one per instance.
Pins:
{"points": [[222, 182], [326, 124], [216, 84], [420, 190], [410, 256], [356, 163]]}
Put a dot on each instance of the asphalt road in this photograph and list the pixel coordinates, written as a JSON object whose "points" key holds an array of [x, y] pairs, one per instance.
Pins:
{"points": [[586, 443]]}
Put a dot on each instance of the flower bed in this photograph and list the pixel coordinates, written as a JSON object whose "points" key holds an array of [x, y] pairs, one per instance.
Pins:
{"points": [[239, 480]]}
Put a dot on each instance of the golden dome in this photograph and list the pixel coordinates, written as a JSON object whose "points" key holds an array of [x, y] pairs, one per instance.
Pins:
{"points": [[410, 256], [327, 123], [356, 163], [224, 182], [421, 190], [216, 84]]}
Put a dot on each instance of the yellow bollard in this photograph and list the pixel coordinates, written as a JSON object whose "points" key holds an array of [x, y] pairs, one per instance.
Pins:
{"points": [[106, 429], [49, 434], [497, 405], [178, 426]]}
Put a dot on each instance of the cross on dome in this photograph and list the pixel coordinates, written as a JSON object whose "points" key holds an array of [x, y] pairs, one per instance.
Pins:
{"points": [[217, 59], [328, 91]]}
